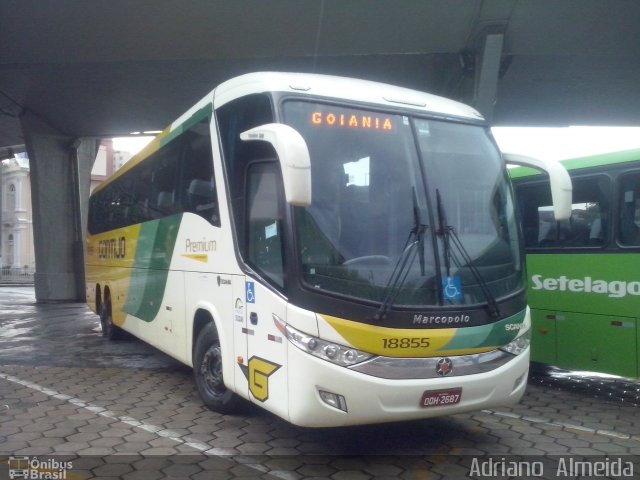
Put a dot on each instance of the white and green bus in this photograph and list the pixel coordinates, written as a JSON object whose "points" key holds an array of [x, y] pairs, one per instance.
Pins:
{"points": [[584, 272], [337, 251]]}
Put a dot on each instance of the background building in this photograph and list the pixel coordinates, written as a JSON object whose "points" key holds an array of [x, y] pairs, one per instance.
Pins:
{"points": [[17, 257], [108, 161], [16, 230]]}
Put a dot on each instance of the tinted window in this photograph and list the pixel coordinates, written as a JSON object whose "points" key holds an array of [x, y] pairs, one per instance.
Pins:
{"points": [[368, 233], [197, 191], [590, 215], [234, 118], [264, 219], [177, 178], [629, 205]]}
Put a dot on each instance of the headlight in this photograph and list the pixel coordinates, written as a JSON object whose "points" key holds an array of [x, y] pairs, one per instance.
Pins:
{"points": [[331, 352], [519, 345]]}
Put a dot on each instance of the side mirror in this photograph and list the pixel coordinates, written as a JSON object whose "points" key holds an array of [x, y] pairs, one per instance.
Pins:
{"points": [[561, 187], [293, 154]]}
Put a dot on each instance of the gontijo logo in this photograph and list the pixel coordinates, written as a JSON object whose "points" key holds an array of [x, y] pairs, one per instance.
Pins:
{"points": [[112, 248], [613, 289]]}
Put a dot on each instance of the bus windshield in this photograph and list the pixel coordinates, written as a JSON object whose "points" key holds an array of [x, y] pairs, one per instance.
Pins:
{"points": [[414, 211]]}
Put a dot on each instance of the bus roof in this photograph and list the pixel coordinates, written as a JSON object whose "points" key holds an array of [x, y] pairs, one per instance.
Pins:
{"points": [[341, 88], [572, 164], [363, 91]]}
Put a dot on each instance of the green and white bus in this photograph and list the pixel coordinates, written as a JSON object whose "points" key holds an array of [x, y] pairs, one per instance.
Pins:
{"points": [[584, 273], [335, 250]]}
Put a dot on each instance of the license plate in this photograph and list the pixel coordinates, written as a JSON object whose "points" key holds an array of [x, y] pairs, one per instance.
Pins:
{"points": [[441, 398]]}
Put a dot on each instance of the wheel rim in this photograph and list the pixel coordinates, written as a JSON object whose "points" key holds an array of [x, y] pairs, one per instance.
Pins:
{"points": [[211, 371]]}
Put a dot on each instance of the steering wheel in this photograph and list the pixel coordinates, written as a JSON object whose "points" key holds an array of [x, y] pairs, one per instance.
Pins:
{"points": [[370, 260]]}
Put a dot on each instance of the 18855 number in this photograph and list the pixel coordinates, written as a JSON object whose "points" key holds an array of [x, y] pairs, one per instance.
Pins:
{"points": [[405, 342]]}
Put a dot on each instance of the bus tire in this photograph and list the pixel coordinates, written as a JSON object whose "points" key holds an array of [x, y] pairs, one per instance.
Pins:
{"points": [[207, 370], [109, 329]]}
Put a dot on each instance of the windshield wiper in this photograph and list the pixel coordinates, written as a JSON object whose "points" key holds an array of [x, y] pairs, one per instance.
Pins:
{"points": [[400, 271], [418, 230], [448, 233], [442, 228]]}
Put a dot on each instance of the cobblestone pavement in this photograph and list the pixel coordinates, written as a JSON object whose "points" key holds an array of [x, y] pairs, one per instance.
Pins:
{"points": [[126, 410]]}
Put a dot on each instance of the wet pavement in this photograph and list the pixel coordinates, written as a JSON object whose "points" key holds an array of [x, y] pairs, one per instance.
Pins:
{"points": [[123, 409], [598, 386], [64, 335]]}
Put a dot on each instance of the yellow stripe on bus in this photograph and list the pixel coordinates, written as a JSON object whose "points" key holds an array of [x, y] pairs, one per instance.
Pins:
{"points": [[199, 257], [112, 267], [396, 342]]}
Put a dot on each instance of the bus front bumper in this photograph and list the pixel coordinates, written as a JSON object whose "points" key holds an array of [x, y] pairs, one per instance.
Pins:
{"points": [[322, 394]]}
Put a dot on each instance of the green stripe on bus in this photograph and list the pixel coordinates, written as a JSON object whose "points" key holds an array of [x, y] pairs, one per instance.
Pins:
{"points": [[151, 267], [492, 335], [600, 160], [187, 124]]}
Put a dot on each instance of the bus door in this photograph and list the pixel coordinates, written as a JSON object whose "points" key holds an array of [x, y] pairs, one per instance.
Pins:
{"points": [[266, 360]]}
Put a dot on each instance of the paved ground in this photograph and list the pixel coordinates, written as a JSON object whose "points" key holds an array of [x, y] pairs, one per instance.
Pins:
{"points": [[126, 410]]}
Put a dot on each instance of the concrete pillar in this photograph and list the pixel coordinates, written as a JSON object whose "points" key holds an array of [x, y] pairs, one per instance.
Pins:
{"points": [[59, 164], [86, 150], [486, 88]]}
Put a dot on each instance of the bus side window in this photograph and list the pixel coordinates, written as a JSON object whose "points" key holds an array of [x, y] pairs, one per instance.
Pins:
{"points": [[629, 216], [264, 218], [121, 199], [234, 118], [537, 220], [198, 184], [201, 199], [587, 226], [165, 202]]}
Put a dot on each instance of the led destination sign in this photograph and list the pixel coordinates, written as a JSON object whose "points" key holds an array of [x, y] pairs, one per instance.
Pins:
{"points": [[360, 121]]}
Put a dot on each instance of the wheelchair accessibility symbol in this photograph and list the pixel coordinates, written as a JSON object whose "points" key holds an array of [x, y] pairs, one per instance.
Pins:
{"points": [[451, 288], [251, 292]]}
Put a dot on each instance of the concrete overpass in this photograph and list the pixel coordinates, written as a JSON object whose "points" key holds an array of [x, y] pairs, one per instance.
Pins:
{"points": [[74, 71]]}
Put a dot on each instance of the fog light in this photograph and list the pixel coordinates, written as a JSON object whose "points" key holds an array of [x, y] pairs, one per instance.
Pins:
{"points": [[333, 400]]}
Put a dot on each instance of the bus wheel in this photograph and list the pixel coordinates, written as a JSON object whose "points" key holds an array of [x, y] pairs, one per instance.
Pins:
{"points": [[207, 369], [109, 330]]}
